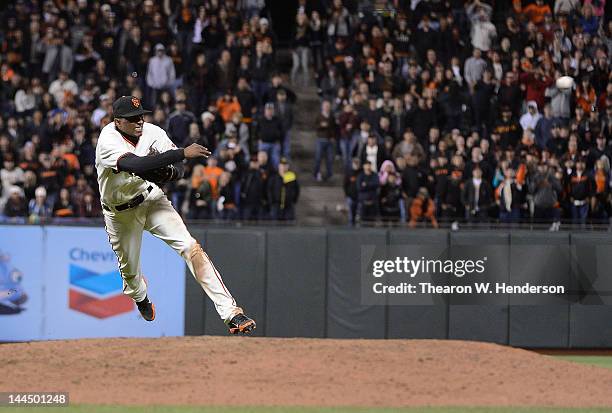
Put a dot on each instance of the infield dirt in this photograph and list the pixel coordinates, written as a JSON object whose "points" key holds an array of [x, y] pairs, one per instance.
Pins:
{"points": [[300, 372]]}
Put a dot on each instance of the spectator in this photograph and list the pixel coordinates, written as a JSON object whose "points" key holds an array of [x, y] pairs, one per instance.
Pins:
{"points": [[267, 170], [474, 68], [179, 121], [246, 99], [330, 83], [536, 82], [510, 94], [38, 210], [482, 98], [372, 152], [390, 198], [29, 184], [227, 106], [567, 7], [199, 80], [543, 128], [283, 193], [77, 192], [423, 208], [601, 199], [201, 199], [506, 132], [581, 190], [559, 101], [589, 21], [284, 110], [226, 205], [243, 132], [586, 96], [530, 119], [63, 207], [351, 189], [412, 178], [367, 183], [211, 173], [478, 197], [300, 45], [251, 191], [483, 31], [600, 152], [63, 89], [277, 84], [10, 175], [58, 56], [535, 12], [161, 74], [89, 207], [317, 37], [209, 133], [347, 122], [409, 147], [15, 208], [260, 69], [269, 133], [325, 125], [546, 189], [510, 198]]}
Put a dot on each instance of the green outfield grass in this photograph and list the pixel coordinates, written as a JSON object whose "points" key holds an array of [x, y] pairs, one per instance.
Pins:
{"points": [[601, 361], [172, 409]]}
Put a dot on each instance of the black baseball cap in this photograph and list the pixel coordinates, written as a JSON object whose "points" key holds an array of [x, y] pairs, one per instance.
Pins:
{"points": [[127, 106]]}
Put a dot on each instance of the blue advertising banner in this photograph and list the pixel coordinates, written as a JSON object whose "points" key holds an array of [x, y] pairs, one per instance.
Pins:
{"points": [[84, 295], [21, 283], [63, 282]]}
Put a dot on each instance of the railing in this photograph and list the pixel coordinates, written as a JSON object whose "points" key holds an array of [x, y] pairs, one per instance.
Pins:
{"points": [[328, 221]]}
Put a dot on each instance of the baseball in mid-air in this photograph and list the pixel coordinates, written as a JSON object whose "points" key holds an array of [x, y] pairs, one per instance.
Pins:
{"points": [[565, 82]]}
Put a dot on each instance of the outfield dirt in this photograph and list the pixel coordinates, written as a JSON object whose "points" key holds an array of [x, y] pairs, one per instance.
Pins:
{"points": [[306, 372]]}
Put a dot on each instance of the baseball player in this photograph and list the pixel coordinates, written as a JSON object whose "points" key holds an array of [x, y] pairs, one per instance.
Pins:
{"points": [[134, 158]]}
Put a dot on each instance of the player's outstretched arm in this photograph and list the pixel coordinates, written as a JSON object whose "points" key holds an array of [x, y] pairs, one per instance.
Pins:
{"points": [[142, 164], [135, 164]]}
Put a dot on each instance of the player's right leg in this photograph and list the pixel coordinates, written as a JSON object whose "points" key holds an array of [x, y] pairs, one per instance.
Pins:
{"points": [[124, 231], [166, 224]]}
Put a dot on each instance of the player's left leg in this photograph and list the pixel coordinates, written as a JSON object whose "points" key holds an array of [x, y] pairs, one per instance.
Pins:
{"points": [[124, 231], [166, 224]]}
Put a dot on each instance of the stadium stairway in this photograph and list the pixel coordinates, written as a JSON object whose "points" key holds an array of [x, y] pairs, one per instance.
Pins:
{"points": [[320, 203]]}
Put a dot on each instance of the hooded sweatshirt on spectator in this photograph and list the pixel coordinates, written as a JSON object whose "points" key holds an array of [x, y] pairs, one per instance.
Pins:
{"points": [[160, 73], [529, 120]]}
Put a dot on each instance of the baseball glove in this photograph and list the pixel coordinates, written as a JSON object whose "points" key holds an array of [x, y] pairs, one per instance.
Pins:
{"points": [[160, 176]]}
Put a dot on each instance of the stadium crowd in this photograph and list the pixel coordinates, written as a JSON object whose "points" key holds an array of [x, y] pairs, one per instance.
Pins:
{"points": [[440, 110], [204, 68], [449, 109]]}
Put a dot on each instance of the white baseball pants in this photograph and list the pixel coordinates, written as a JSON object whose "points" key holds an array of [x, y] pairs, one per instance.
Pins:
{"points": [[157, 215]]}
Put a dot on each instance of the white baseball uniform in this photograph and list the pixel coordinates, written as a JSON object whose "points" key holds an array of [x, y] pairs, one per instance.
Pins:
{"points": [[155, 214]]}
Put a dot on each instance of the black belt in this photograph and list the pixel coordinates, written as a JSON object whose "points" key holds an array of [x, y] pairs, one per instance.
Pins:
{"points": [[134, 202]]}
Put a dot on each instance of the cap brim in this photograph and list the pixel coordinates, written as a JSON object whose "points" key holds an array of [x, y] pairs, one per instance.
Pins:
{"points": [[135, 112]]}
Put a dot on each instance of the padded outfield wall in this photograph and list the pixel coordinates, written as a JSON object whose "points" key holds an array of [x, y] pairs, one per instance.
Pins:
{"points": [[62, 282], [303, 282]]}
